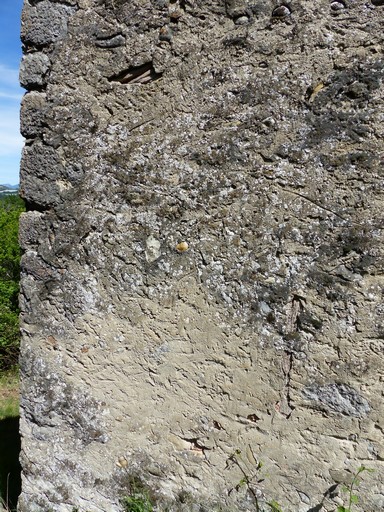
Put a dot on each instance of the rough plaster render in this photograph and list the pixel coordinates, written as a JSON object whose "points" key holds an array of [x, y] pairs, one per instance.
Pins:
{"points": [[203, 253]]}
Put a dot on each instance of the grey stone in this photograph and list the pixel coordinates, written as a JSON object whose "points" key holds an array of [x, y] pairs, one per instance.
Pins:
{"points": [[111, 42], [235, 8], [32, 118], [337, 6], [34, 68], [339, 398], [41, 161], [44, 23], [165, 34], [41, 176], [31, 229], [282, 11], [36, 192], [60, 399], [242, 20]]}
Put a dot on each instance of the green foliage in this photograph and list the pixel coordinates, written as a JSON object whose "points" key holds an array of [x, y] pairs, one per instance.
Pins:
{"points": [[9, 395], [353, 499], [137, 502], [274, 506], [251, 478], [138, 499], [9, 408], [10, 209]]}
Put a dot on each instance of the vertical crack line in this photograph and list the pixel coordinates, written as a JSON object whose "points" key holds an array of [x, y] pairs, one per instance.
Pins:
{"points": [[285, 406], [293, 323]]}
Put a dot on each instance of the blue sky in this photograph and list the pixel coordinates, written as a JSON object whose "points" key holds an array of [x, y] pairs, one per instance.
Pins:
{"points": [[11, 93]]}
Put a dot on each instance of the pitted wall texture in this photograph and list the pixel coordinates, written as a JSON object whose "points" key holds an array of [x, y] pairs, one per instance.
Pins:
{"points": [[203, 253]]}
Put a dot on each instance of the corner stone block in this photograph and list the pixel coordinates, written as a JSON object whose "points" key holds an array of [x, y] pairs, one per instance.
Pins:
{"points": [[44, 23], [33, 70], [41, 172], [31, 228], [41, 161], [32, 114], [35, 191]]}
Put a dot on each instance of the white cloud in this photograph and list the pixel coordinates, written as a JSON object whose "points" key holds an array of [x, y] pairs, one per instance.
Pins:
{"points": [[10, 89], [11, 142], [10, 96], [9, 77]]}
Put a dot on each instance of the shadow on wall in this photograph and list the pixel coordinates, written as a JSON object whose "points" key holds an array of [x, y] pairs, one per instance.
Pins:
{"points": [[10, 470]]}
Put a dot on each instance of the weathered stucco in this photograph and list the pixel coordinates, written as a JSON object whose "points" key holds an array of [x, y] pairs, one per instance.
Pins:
{"points": [[203, 252]]}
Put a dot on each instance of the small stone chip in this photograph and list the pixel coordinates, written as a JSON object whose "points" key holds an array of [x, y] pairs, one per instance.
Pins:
{"points": [[182, 247], [281, 12], [337, 6], [122, 462]]}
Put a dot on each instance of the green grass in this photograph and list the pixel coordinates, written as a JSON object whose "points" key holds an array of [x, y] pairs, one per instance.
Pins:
{"points": [[9, 395], [138, 499], [9, 408], [139, 502]]}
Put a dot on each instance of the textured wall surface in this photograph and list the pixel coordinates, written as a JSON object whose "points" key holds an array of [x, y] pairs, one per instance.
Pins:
{"points": [[203, 252]]}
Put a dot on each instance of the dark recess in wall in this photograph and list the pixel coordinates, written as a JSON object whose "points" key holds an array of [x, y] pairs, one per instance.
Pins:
{"points": [[10, 470]]}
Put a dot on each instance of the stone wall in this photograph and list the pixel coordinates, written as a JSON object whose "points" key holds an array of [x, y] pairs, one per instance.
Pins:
{"points": [[203, 253]]}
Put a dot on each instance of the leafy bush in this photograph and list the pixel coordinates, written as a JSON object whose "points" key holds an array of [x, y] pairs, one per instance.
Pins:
{"points": [[138, 502], [350, 489], [10, 209]]}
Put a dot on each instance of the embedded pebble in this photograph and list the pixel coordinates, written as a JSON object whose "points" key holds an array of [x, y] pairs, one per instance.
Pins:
{"points": [[112, 42], [165, 34], [122, 462], [337, 6], [243, 20], [281, 12], [182, 247]]}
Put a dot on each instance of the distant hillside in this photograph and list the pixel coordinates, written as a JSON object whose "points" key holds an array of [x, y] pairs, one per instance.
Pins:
{"points": [[8, 189]]}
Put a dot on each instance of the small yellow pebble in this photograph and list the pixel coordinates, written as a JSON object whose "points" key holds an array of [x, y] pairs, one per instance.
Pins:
{"points": [[182, 247], [122, 462]]}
